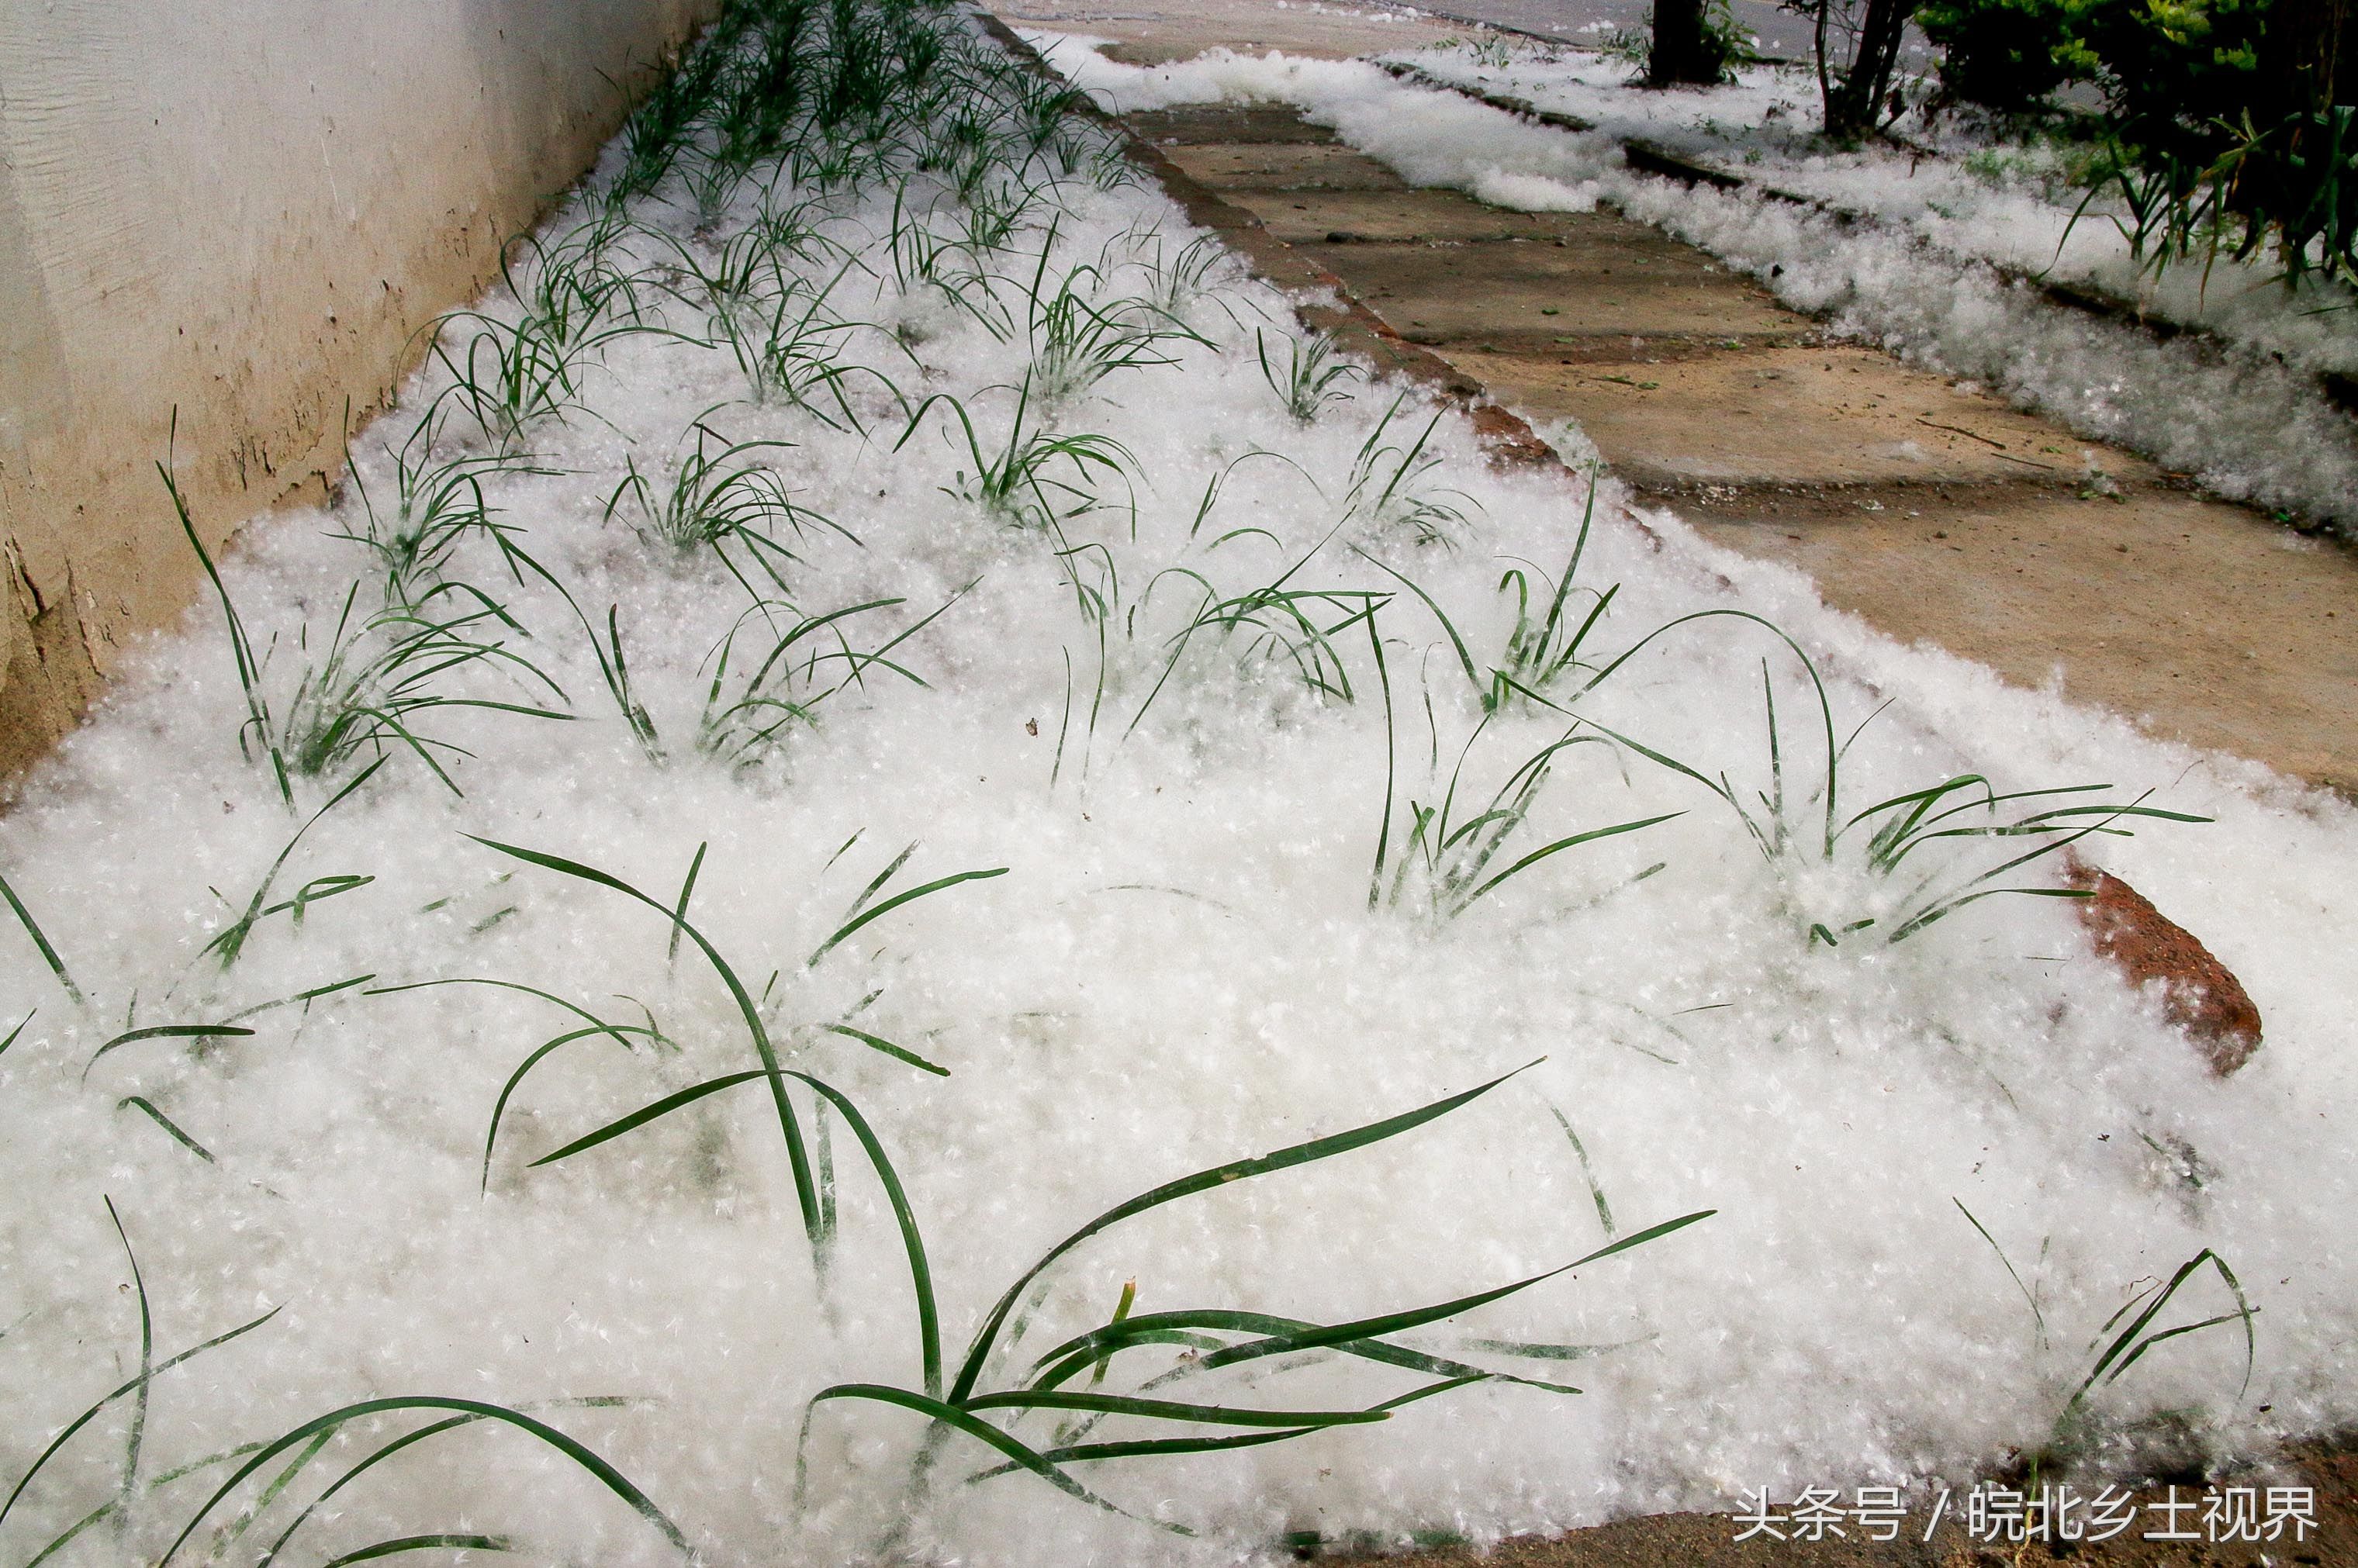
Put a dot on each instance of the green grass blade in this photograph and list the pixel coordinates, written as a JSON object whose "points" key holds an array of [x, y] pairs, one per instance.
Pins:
{"points": [[613, 1480], [921, 1277], [687, 892], [878, 1043], [33, 929], [647, 1113], [142, 1103], [135, 1385], [508, 1089], [1545, 850], [15, 1031], [806, 1185], [1465, 659], [1204, 1181], [146, 1363], [1587, 1173], [371, 1462], [951, 1415], [2037, 1316], [1083, 1453], [166, 1031], [895, 902], [423, 1543], [1167, 1410]]}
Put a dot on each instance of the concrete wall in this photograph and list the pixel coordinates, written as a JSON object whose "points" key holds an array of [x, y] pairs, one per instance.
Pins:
{"points": [[245, 208]]}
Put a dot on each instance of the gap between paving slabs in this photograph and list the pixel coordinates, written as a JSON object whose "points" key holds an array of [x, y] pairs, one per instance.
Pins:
{"points": [[2204, 622], [2200, 994], [2340, 389]]}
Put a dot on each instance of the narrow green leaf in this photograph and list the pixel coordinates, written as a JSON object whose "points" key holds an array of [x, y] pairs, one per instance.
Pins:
{"points": [[33, 929], [423, 1543], [1203, 1181], [167, 1031], [895, 902], [951, 1415], [875, 1043], [136, 1384], [605, 1474], [142, 1103]]}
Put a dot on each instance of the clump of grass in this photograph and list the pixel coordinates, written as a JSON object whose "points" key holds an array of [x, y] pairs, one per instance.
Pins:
{"points": [[571, 286], [1176, 280], [512, 374], [437, 503], [1543, 648], [789, 345], [2124, 1339], [1312, 375], [748, 717], [1445, 862], [1076, 343], [814, 1198], [1890, 834], [722, 499], [1300, 628], [375, 684], [1389, 492], [965, 1404], [280, 1463], [1037, 477]]}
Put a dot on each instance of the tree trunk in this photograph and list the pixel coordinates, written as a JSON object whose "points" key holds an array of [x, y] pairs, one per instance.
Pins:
{"points": [[1682, 50], [1855, 104], [2310, 58]]}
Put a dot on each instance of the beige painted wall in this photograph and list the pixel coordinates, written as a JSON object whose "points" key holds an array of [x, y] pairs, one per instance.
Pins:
{"points": [[245, 208]]}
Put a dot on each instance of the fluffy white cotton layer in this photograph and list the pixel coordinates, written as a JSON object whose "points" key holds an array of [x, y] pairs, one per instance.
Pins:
{"points": [[1976, 196], [1180, 965], [2248, 421]]}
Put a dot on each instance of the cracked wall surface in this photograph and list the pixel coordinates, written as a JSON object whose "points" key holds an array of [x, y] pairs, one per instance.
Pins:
{"points": [[246, 212]]}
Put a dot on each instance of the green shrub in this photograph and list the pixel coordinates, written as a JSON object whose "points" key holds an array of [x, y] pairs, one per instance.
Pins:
{"points": [[2006, 55]]}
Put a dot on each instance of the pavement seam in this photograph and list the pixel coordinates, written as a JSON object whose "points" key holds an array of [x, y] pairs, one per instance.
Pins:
{"points": [[1504, 434], [2337, 387]]}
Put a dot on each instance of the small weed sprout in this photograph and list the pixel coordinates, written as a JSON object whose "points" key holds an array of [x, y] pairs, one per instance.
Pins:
{"points": [[374, 683], [1889, 833], [143, 1486], [2126, 1337], [1175, 281], [1310, 377], [1386, 489], [1545, 648], [722, 499], [1037, 478], [512, 374], [1207, 1340]]}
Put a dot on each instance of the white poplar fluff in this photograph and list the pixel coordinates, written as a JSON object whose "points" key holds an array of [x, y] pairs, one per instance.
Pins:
{"points": [[914, 504]]}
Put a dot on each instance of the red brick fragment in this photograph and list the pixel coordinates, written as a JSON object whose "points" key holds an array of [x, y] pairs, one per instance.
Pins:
{"points": [[2199, 994]]}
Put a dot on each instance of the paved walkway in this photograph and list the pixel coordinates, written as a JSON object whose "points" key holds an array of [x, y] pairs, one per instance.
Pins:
{"points": [[1933, 511]]}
